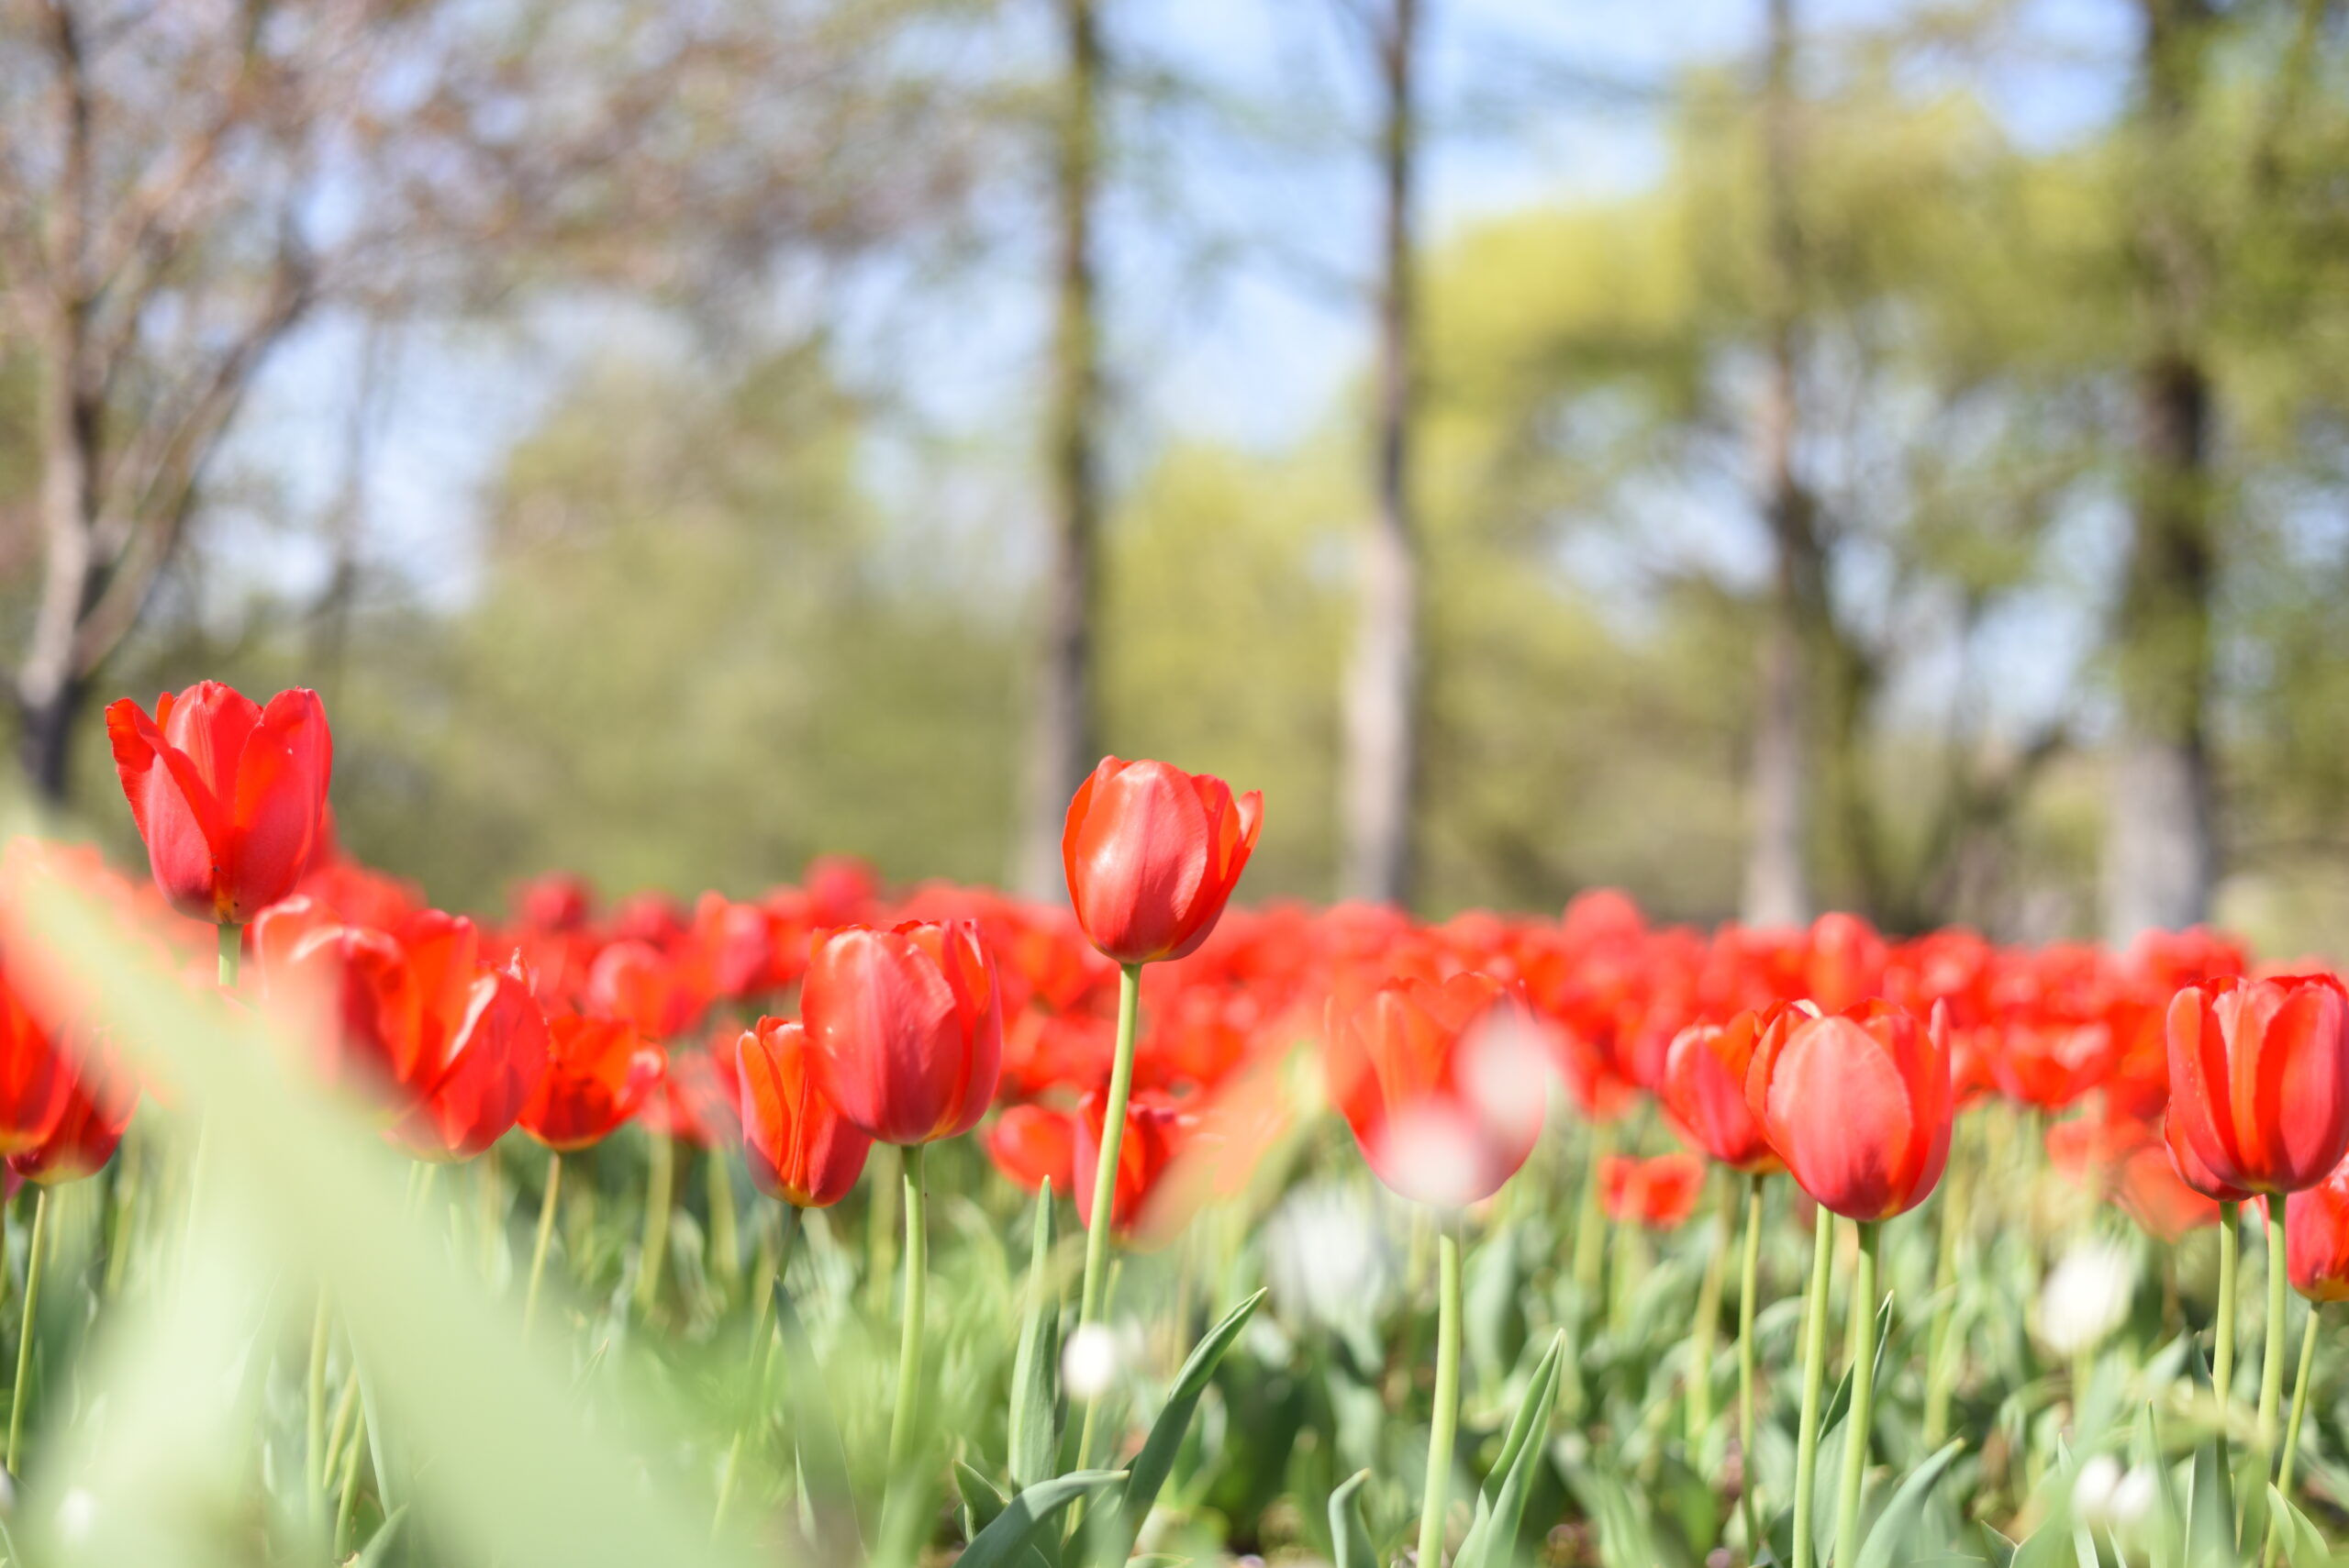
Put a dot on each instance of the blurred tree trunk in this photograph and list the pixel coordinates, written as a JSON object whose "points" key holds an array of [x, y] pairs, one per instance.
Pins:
{"points": [[1383, 687], [1778, 886], [2159, 856], [1063, 744]]}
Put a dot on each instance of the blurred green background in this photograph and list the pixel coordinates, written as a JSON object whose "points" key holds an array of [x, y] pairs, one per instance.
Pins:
{"points": [[653, 467]]}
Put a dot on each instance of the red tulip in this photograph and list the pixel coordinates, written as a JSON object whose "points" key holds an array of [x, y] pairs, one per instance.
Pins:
{"points": [[798, 1148], [1704, 1090], [1441, 1084], [491, 1067], [1152, 854], [2316, 1237], [2259, 1079], [598, 1072], [36, 1079], [659, 993], [1857, 1103], [699, 1101], [1034, 1144], [230, 797], [1660, 1194], [1154, 1134], [905, 1026], [98, 1107], [356, 996]]}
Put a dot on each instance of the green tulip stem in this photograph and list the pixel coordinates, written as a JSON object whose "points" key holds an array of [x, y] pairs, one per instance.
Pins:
{"points": [[1590, 1221], [1814, 1370], [26, 1334], [1706, 1326], [1445, 1422], [232, 949], [1857, 1425], [909, 1342], [546, 1234], [2292, 1432], [2223, 1332], [2272, 1352], [1105, 1174], [1749, 1280]]}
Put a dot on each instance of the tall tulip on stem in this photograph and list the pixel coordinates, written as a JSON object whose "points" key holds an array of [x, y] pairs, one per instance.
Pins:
{"points": [[905, 1031], [1151, 855], [1439, 1083], [1857, 1103], [2259, 1094], [1704, 1092]]}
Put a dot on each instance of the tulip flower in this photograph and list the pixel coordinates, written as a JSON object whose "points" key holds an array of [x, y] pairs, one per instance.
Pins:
{"points": [[598, 1072], [659, 995], [1152, 854], [1704, 1095], [99, 1100], [492, 1065], [1659, 1194], [2316, 1232], [1704, 1092], [230, 797], [1034, 1144], [1441, 1084], [1154, 1134], [2259, 1086], [798, 1146], [1857, 1103], [904, 1029], [2259, 1076], [36, 1080]]}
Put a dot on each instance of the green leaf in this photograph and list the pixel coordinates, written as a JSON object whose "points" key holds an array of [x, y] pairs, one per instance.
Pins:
{"points": [[379, 1548], [2210, 1510], [1151, 1465], [2302, 1542], [1901, 1514], [1348, 1536], [823, 1459], [1035, 1423], [982, 1500], [1500, 1503], [1006, 1540]]}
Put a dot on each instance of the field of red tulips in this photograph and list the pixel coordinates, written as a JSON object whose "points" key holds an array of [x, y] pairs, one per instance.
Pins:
{"points": [[846, 1223]]}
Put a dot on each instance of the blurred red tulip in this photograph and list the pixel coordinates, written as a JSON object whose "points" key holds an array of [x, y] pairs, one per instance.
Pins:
{"points": [[598, 1072], [905, 1026], [699, 1100], [35, 1078], [1031, 1144], [1152, 854], [230, 797], [1857, 1103], [1659, 1192], [1154, 1135], [378, 1013], [2316, 1237], [98, 1107], [657, 993], [2259, 1079], [798, 1146], [1442, 1084], [492, 1065], [1704, 1090]]}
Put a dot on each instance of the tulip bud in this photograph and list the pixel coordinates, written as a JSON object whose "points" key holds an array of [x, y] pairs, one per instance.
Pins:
{"points": [[1152, 855], [2259, 1079]]}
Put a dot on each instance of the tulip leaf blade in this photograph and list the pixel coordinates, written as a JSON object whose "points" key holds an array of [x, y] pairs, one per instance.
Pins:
{"points": [[1908, 1505], [1491, 1542], [982, 1500], [1006, 1540], [1034, 1417], [1349, 1536], [1112, 1540]]}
